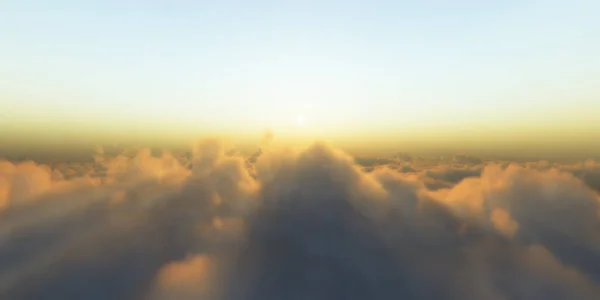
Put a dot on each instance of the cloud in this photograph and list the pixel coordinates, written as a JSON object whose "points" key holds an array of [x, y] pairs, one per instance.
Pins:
{"points": [[588, 172], [188, 279], [443, 176], [295, 224], [552, 207], [503, 222]]}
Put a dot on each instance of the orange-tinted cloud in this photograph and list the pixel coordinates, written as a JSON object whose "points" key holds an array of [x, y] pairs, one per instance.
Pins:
{"points": [[309, 224]]}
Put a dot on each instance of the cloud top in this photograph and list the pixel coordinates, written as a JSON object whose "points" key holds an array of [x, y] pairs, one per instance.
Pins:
{"points": [[297, 224]]}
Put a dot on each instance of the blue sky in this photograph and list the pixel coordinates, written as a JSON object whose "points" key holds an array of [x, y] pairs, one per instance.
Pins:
{"points": [[342, 65]]}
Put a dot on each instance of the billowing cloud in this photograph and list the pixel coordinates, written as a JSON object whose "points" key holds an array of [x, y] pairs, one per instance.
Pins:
{"points": [[185, 280], [288, 224], [588, 172]]}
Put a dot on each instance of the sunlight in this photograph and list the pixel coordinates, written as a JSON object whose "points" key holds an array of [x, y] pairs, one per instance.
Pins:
{"points": [[300, 121]]}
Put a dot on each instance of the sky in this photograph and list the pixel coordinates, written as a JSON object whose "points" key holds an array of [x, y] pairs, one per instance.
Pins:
{"points": [[349, 71]]}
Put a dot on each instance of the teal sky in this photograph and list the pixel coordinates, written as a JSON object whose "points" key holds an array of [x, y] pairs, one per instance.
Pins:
{"points": [[344, 66]]}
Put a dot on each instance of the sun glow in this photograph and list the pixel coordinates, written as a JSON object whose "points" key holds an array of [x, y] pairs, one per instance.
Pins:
{"points": [[300, 121]]}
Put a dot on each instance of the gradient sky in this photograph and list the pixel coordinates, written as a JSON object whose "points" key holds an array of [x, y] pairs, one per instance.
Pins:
{"points": [[350, 68]]}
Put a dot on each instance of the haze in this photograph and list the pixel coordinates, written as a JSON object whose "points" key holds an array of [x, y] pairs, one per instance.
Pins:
{"points": [[387, 73]]}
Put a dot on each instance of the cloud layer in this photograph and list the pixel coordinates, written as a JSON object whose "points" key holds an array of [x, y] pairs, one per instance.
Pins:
{"points": [[298, 224]]}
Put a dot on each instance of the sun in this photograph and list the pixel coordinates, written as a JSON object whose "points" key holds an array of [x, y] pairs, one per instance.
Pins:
{"points": [[300, 121]]}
